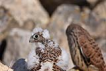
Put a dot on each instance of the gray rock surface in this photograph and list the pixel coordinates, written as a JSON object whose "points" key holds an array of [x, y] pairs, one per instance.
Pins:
{"points": [[86, 18], [7, 22], [100, 9], [23, 10], [18, 45], [4, 18], [25, 14]]}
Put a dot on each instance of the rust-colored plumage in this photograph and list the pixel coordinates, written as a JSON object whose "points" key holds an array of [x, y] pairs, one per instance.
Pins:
{"points": [[84, 50]]}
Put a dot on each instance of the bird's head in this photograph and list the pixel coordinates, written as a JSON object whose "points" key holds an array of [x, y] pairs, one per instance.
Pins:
{"points": [[39, 35]]}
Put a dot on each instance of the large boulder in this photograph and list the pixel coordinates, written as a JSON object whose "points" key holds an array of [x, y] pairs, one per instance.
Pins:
{"points": [[21, 13], [17, 45], [23, 10]]}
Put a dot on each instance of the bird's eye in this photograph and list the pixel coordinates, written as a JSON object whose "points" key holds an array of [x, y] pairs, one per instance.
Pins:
{"points": [[35, 36]]}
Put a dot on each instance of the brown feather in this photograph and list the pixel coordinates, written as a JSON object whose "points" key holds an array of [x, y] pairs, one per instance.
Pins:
{"points": [[85, 42]]}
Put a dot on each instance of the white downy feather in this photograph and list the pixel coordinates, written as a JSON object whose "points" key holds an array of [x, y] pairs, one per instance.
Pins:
{"points": [[33, 60], [63, 60]]}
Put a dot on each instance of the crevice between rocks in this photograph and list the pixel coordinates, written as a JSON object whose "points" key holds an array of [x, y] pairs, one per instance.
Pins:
{"points": [[3, 44]]}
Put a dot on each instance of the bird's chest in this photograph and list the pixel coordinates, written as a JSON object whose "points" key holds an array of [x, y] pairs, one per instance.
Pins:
{"points": [[48, 54], [48, 58], [77, 58], [46, 66], [49, 66]]}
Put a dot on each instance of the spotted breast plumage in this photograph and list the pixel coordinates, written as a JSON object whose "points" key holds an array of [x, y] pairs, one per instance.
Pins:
{"points": [[84, 50], [47, 56]]}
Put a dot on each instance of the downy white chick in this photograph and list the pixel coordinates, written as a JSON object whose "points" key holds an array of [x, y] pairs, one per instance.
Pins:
{"points": [[47, 56]]}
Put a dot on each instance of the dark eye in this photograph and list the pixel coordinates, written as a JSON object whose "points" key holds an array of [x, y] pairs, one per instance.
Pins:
{"points": [[35, 36]]}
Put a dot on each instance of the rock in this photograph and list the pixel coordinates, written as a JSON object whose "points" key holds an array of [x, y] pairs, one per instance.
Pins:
{"points": [[89, 20], [6, 22], [25, 14], [92, 23], [51, 5], [4, 18], [101, 10], [20, 65], [23, 10], [17, 45], [4, 68], [29, 25]]}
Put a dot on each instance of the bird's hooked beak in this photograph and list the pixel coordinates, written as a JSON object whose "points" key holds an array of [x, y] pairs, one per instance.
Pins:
{"points": [[31, 40]]}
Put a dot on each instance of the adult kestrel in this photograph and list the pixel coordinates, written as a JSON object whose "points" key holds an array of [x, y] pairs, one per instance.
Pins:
{"points": [[84, 50]]}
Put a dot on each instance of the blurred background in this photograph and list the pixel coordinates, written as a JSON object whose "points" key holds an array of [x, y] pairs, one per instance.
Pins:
{"points": [[19, 17]]}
